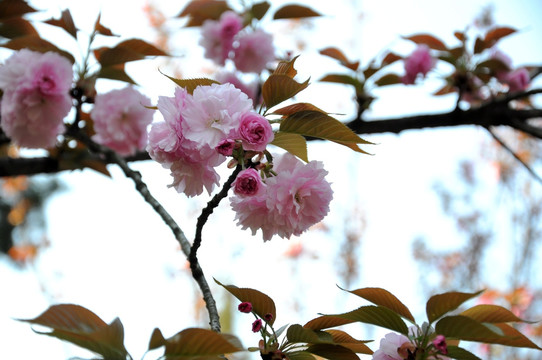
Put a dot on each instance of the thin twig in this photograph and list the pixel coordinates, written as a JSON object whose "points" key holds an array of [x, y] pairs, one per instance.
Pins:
{"points": [[507, 148], [160, 210]]}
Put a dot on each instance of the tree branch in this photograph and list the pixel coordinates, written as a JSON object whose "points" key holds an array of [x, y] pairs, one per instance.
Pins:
{"points": [[508, 149], [113, 157]]}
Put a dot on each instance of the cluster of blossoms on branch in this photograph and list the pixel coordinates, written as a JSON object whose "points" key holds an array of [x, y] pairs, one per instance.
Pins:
{"points": [[282, 196], [400, 347]]}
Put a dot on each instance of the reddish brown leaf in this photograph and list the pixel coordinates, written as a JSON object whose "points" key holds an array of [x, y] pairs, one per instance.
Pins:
{"points": [[496, 34], [384, 298], [14, 8], [515, 338], [65, 22], [294, 12], [191, 84], [480, 45], [115, 72], [428, 40], [259, 10], [128, 50], [261, 303], [16, 27], [460, 35], [36, 43], [291, 109], [331, 351], [295, 144], [286, 68], [200, 10], [491, 314], [344, 339], [440, 304], [337, 54], [102, 30], [388, 79], [390, 58], [195, 343], [279, 88]]}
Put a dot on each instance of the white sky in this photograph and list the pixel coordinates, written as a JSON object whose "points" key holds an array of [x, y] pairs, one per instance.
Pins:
{"points": [[113, 255]]}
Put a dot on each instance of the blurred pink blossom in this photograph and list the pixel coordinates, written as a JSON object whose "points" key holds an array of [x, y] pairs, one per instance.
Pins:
{"points": [[517, 80], [248, 183], [255, 132], [225, 147], [121, 120], [254, 51], [218, 36], [36, 97], [249, 88], [419, 62], [440, 344]]}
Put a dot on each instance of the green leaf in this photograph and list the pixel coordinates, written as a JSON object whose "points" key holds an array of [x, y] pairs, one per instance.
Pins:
{"points": [[80, 326], [337, 54], [377, 315], [196, 343], [440, 304], [512, 337], [496, 34], [293, 143], [259, 10], [200, 10], [465, 328], [128, 50], [294, 108], [332, 352], [344, 79], [455, 352], [294, 12], [491, 314], [14, 8], [16, 27], [36, 43], [300, 355], [261, 303], [157, 339], [327, 321], [344, 339], [384, 298], [389, 79], [298, 334], [428, 40], [278, 88], [115, 72], [191, 84], [65, 22], [319, 125]]}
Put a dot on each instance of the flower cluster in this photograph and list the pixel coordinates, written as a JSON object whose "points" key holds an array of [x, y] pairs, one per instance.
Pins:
{"points": [[121, 120], [250, 50], [36, 97], [420, 62], [282, 197], [516, 79], [286, 204]]}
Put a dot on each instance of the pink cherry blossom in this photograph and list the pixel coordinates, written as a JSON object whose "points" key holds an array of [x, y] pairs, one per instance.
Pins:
{"points": [[247, 183], [254, 51], [255, 132], [440, 344], [295, 199], [121, 120], [191, 164], [36, 97], [389, 347], [225, 147], [419, 62], [212, 113], [517, 80], [218, 36]]}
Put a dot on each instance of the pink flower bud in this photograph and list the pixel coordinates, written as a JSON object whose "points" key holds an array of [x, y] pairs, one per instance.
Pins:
{"points": [[225, 147], [245, 307], [518, 80], [440, 344], [268, 317], [255, 131], [257, 325], [247, 183], [419, 62]]}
